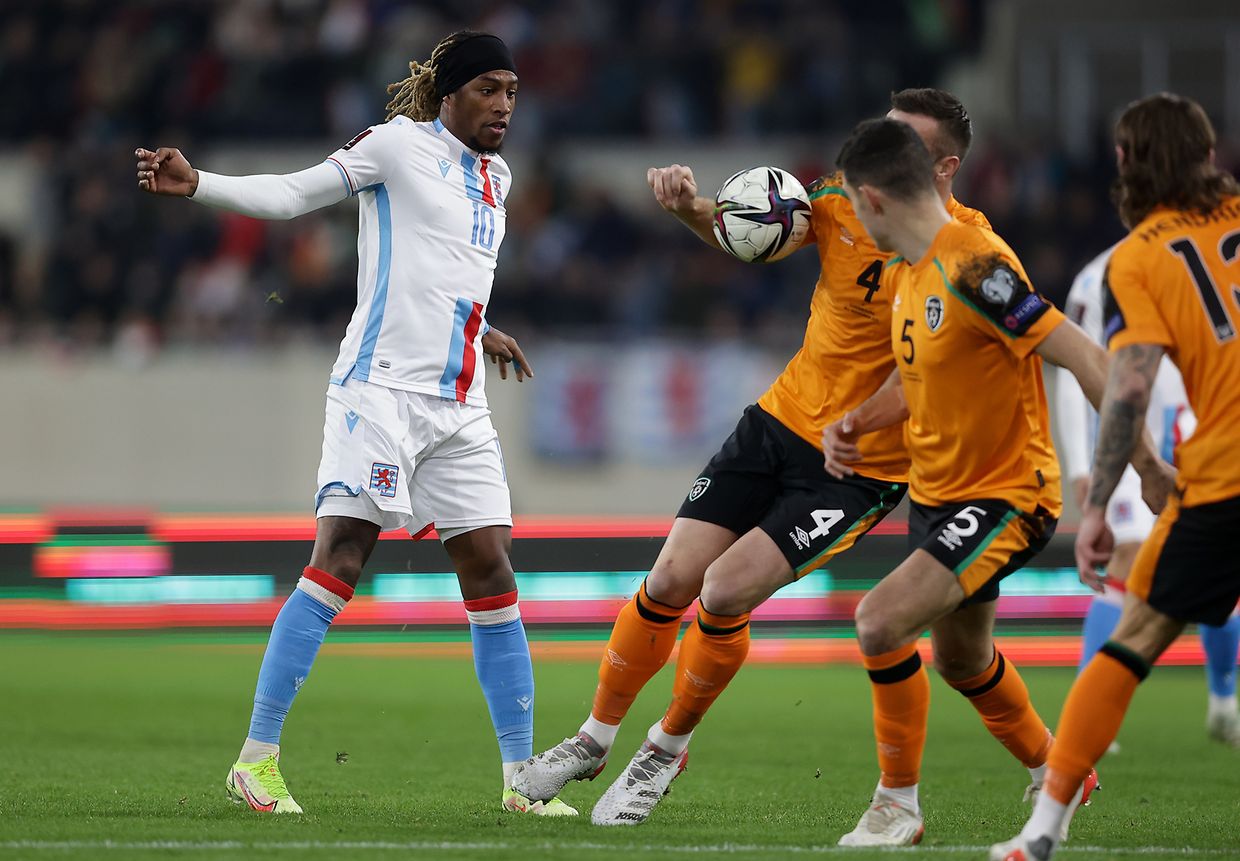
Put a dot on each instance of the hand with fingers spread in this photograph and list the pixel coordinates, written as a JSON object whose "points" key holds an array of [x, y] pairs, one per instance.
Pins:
{"points": [[839, 446], [504, 349], [165, 171]]}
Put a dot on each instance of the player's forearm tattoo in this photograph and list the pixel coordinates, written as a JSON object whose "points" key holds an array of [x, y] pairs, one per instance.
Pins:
{"points": [[1122, 417]]}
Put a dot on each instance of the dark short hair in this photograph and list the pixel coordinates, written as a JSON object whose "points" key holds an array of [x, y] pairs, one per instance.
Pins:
{"points": [[954, 123], [1166, 141], [887, 155]]}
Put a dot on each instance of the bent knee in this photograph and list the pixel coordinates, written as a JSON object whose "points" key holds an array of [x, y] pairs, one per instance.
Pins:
{"points": [[674, 583], [876, 634]]}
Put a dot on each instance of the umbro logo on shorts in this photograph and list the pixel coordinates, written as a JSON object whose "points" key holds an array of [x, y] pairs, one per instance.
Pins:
{"points": [[383, 478], [699, 487]]}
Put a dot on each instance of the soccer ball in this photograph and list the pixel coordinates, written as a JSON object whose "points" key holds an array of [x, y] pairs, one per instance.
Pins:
{"points": [[761, 214]]}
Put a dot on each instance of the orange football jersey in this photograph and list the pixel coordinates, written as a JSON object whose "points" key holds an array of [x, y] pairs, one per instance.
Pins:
{"points": [[846, 356], [1175, 282], [964, 325]]}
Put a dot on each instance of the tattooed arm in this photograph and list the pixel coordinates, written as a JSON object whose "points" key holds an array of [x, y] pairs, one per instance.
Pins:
{"points": [[1122, 423], [1122, 417], [1069, 347]]}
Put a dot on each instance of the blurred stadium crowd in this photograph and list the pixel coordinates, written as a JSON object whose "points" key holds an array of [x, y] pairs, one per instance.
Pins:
{"points": [[83, 82]]}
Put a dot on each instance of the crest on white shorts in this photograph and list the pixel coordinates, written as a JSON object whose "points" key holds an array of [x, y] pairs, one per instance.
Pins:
{"points": [[699, 487], [383, 479]]}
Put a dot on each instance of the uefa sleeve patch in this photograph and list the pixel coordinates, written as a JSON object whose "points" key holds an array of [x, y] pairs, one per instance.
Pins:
{"points": [[998, 291], [383, 479]]}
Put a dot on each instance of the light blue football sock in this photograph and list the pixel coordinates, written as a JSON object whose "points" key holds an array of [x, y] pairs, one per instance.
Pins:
{"points": [[1221, 644], [502, 662], [298, 632], [1100, 621]]}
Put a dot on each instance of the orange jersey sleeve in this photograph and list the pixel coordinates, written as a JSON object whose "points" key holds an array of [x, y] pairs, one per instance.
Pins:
{"points": [[965, 324], [846, 354], [1175, 282]]}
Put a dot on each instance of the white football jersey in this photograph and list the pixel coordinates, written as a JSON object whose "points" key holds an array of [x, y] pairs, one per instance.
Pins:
{"points": [[431, 222], [1169, 418]]}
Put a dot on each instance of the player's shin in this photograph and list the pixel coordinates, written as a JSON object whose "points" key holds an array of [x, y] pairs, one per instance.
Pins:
{"points": [[901, 692], [641, 641], [1220, 643], [295, 638], [502, 663], [1002, 700], [713, 650], [1090, 721]]}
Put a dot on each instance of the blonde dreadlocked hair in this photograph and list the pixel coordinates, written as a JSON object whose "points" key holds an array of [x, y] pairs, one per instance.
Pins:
{"points": [[415, 95]]}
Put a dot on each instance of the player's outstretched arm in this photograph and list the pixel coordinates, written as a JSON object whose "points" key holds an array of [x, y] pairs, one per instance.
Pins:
{"points": [[676, 191], [882, 409], [271, 196], [1126, 380]]}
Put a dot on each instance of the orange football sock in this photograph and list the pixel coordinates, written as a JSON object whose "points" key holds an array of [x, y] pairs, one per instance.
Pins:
{"points": [[712, 651], [640, 643], [1092, 716], [901, 691], [1001, 698]]}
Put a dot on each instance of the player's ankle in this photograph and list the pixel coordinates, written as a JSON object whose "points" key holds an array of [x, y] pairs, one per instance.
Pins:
{"points": [[254, 750], [604, 734]]}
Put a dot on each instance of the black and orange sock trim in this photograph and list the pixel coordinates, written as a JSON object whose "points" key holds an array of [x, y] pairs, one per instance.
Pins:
{"points": [[996, 669], [898, 672], [1133, 662], [654, 611], [715, 625]]}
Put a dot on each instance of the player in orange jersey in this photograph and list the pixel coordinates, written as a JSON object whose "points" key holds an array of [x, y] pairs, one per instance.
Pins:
{"points": [[763, 513], [1172, 289], [969, 335]]}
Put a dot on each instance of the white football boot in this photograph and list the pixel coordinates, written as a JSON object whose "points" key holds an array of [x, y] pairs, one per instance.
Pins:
{"points": [[642, 785], [542, 776], [886, 823]]}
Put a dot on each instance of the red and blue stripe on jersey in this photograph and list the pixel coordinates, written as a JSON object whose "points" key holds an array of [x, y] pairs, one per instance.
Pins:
{"points": [[458, 375]]}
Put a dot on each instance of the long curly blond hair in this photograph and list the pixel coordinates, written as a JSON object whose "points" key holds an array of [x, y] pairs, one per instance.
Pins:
{"points": [[414, 97]]}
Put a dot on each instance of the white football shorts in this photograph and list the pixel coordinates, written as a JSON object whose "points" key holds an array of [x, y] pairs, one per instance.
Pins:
{"points": [[405, 460], [1128, 516]]}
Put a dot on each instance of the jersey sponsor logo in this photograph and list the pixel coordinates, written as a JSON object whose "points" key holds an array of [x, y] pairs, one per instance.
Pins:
{"points": [[444, 167], [699, 487], [1033, 306], [383, 479], [356, 140], [934, 312]]}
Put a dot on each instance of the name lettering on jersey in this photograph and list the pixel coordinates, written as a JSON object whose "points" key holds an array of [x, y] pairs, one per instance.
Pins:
{"points": [[444, 167], [934, 312], [383, 478]]}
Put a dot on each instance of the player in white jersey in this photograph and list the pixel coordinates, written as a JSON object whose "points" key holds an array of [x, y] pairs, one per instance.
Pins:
{"points": [[408, 441], [1170, 421]]}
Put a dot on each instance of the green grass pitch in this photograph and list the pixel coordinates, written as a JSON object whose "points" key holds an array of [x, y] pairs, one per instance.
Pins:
{"points": [[117, 747]]}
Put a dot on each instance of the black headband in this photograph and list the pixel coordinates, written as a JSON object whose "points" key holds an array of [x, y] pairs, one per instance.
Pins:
{"points": [[469, 59]]}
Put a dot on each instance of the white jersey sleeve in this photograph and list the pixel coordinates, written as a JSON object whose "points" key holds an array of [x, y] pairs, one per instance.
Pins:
{"points": [[271, 196], [367, 160], [1074, 417]]}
